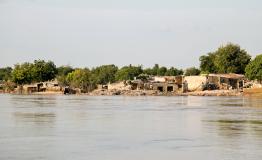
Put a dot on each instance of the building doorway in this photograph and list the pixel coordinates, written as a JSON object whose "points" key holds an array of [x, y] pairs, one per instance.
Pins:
{"points": [[170, 89], [160, 88]]}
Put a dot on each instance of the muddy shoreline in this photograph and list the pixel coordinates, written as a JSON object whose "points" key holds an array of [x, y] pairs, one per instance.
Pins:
{"points": [[156, 93], [144, 93]]}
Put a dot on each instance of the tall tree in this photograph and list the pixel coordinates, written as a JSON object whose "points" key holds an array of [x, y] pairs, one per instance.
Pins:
{"points": [[161, 71], [5, 73], [148, 71], [80, 78], [227, 59], [231, 59], [38, 71], [207, 63], [43, 71], [128, 72], [155, 69], [254, 69], [64, 70], [22, 73], [62, 73], [174, 72], [104, 74]]}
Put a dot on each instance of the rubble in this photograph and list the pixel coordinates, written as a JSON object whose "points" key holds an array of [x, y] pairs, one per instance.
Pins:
{"points": [[102, 92], [205, 85]]}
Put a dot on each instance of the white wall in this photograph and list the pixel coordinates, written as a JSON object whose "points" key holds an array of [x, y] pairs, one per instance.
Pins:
{"points": [[119, 86], [195, 82]]}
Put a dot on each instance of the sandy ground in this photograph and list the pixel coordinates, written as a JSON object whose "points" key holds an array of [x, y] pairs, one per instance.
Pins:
{"points": [[47, 93]]}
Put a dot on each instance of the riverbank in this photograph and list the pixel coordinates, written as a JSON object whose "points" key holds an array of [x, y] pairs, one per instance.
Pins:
{"points": [[214, 93], [148, 93], [253, 92], [157, 93], [48, 93]]}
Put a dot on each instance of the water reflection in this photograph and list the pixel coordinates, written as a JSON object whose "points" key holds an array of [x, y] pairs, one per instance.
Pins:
{"points": [[25, 101], [35, 117], [239, 121], [234, 128], [253, 102], [235, 117]]}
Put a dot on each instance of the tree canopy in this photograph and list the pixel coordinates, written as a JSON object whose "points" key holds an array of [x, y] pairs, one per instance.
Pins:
{"points": [[104, 74], [207, 63], [64, 70], [226, 59], [62, 73], [192, 71], [163, 71], [174, 72], [254, 69], [43, 71], [128, 72], [38, 71], [5, 73], [22, 73], [79, 78]]}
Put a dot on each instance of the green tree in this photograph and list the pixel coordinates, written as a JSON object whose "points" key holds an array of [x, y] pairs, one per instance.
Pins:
{"points": [[43, 71], [148, 71], [38, 71], [227, 59], [5, 73], [80, 78], [207, 64], [104, 74], [174, 72], [62, 73], [22, 73], [192, 71], [231, 59], [128, 72], [155, 69], [64, 70], [161, 71], [254, 69]]}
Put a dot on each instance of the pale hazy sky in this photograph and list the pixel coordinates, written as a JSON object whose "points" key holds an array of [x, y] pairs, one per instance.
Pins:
{"points": [[90, 33]]}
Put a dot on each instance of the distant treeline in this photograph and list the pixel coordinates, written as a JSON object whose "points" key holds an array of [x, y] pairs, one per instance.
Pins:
{"points": [[226, 59]]}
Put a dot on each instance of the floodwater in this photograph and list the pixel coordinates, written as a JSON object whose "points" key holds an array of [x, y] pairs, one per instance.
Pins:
{"points": [[130, 128]]}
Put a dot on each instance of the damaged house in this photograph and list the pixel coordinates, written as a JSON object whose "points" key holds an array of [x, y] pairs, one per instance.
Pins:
{"points": [[194, 83], [176, 84], [164, 84], [227, 81], [51, 86], [213, 81]]}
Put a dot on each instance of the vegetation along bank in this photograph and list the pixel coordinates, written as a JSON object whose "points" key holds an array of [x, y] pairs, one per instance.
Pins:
{"points": [[227, 71]]}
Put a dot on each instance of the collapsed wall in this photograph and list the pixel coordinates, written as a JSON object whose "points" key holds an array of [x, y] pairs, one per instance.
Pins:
{"points": [[195, 83], [119, 86]]}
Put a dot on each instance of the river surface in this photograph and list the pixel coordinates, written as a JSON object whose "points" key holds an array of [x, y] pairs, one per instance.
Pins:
{"points": [[130, 128]]}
